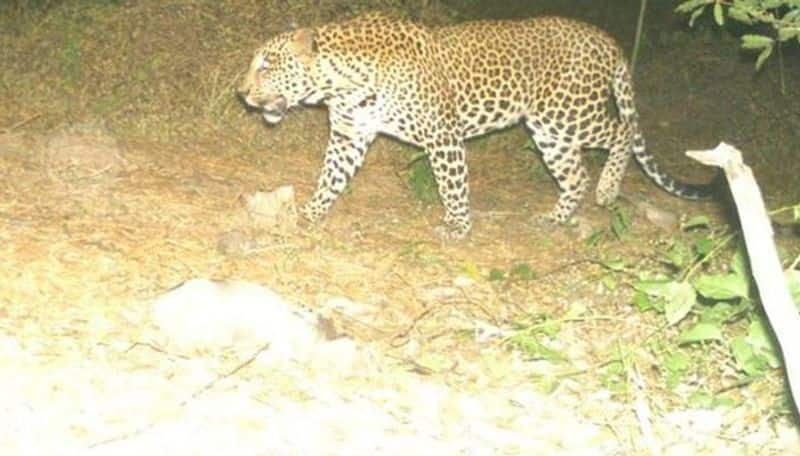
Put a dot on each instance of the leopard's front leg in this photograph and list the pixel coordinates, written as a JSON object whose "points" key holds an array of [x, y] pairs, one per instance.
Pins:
{"points": [[449, 165], [343, 158]]}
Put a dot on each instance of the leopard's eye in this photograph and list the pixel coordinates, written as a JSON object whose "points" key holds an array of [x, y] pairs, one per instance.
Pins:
{"points": [[264, 65]]}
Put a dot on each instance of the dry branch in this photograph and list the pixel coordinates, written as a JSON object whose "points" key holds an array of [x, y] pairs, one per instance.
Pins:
{"points": [[764, 260]]}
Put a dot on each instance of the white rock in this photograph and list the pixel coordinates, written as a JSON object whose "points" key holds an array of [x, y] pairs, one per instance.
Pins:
{"points": [[275, 209], [205, 315]]}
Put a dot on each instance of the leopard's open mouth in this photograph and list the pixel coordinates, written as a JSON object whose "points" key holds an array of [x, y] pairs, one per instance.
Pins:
{"points": [[274, 109]]}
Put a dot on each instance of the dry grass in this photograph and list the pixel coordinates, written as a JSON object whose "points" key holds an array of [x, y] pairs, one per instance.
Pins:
{"points": [[121, 63]]}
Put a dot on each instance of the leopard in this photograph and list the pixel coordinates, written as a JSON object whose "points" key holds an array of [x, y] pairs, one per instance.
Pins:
{"points": [[568, 82]]}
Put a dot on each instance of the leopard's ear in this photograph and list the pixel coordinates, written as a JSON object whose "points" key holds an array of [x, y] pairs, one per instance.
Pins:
{"points": [[304, 44]]}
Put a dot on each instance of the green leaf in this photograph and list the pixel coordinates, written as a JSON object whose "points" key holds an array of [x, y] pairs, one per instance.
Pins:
{"points": [[719, 17], [675, 366], [609, 282], [654, 288], [773, 4], [549, 328], [703, 246], [756, 42], [642, 301], [796, 213], [701, 332], [422, 181], [721, 312], [701, 399], [695, 14], [727, 402], [680, 301], [792, 16], [690, 5], [678, 297], [739, 263], [723, 286], [762, 57], [787, 33], [496, 275], [738, 14], [746, 358], [615, 265], [522, 271], [676, 254], [755, 353], [758, 337], [677, 362], [695, 222], [597, 237], [530, 345], [620, 222]]}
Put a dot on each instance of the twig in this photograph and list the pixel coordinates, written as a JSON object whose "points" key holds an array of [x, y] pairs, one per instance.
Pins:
{"points": [[735, 385], [638, 39], [225, 375], [794, 263], [764, 260], [249, 360], [780, 68], [404, 333], [21, 123]]}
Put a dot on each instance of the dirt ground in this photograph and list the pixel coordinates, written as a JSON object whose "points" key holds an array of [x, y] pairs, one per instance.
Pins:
{"points": [[125, 160]]}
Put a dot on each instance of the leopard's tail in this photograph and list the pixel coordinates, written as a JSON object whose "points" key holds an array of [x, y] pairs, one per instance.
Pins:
{"points": [[623, 93]]}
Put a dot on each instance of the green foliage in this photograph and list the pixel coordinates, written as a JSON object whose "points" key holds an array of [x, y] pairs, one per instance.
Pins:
{"points": [[619, 225], [421, 179], [676, 365], [531, 337], [539, 171], [782, 16], [496, 275], [755, 352], [712, 318], [522, 271], [710, 307], [620, 221], [518, 272], [615, 373]]}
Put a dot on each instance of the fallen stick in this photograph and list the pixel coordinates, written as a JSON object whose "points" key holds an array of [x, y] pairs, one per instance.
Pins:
{"points": [[764, 262]]}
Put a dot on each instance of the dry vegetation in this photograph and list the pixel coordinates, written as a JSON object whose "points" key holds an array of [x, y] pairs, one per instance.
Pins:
{"points": [[124, 158]]}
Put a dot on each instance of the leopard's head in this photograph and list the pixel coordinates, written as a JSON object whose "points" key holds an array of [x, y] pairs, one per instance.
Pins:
{"points": [[279, 77]]}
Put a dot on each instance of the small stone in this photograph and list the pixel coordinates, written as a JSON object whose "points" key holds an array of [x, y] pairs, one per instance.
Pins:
{"points": [[276, 209], [236, 243], [662, 218]]}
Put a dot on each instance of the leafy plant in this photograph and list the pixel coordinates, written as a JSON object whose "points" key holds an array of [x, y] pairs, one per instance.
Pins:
{"points": [[782, 16], [619, 224], [531, 337], [518, 272], [421, 179], [709, 304]]}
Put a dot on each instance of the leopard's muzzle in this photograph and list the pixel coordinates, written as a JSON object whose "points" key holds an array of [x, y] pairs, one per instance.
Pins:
{"points": [[272, 108]]}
